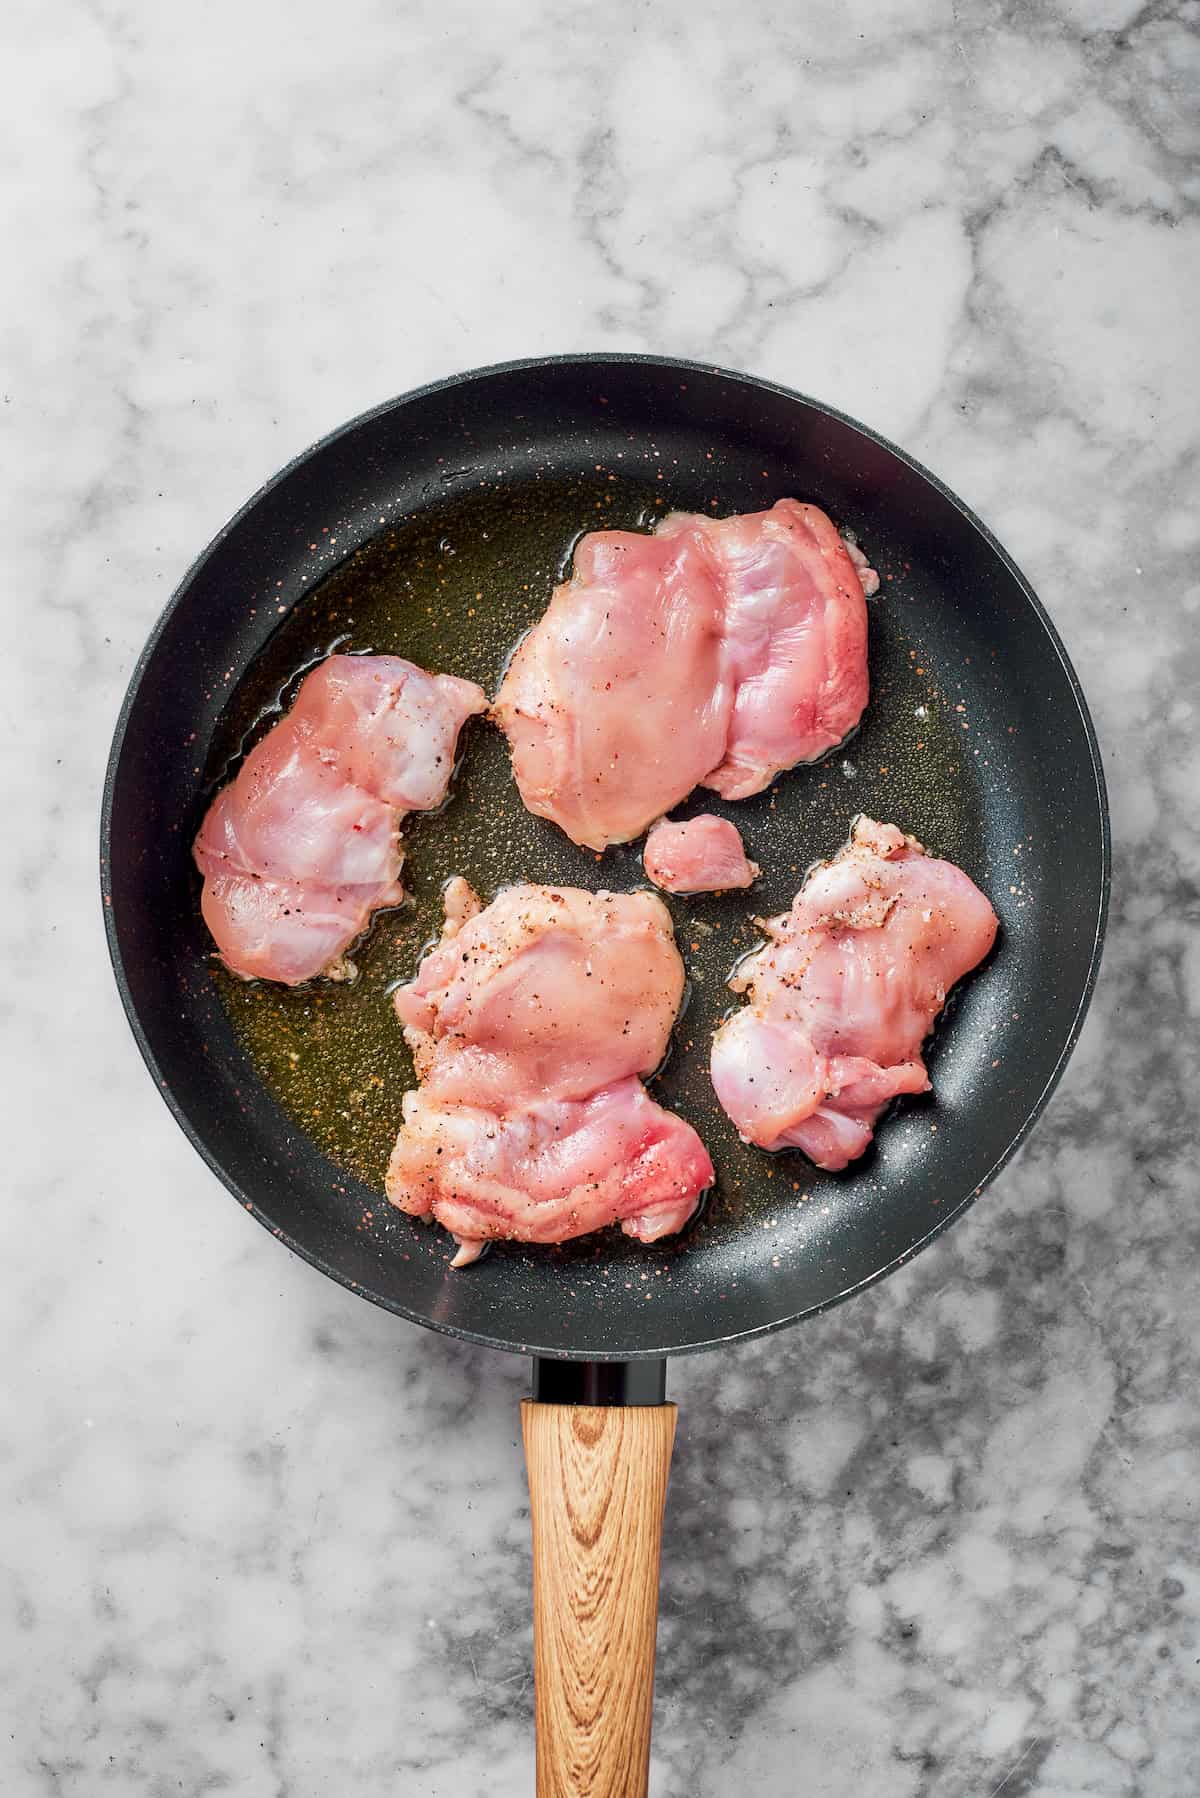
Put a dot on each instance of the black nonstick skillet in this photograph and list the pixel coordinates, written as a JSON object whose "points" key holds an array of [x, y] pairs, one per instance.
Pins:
{"points": [[435, 527]]}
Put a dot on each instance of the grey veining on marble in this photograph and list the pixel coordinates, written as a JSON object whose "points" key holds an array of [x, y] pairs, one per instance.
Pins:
{"points": [[258, 1538]]}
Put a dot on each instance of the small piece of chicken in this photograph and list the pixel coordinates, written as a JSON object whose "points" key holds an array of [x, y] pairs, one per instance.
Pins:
{"points": [[844, 994], [699, 855], [531, 1023], [301, 848]]}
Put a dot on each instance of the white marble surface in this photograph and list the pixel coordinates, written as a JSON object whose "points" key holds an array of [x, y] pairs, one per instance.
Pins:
{"points": [[255, 1536]]}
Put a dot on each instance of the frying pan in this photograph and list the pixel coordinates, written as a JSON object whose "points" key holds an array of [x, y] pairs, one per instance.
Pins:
{"points": [[435, 527]]}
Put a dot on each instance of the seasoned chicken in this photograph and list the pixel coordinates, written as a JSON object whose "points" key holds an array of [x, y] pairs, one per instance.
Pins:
{"points": [[714, 652], [844, 993], [301, 848], [700, 855], [532, 1023], [618, 701], [795, 638]]}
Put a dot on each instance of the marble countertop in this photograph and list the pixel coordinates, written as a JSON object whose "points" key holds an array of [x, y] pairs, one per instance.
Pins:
{"points": [[255, 1536]]}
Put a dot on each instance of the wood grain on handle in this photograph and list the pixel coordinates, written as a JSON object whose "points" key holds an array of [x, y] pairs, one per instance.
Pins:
{"points": [[597, 1485]]}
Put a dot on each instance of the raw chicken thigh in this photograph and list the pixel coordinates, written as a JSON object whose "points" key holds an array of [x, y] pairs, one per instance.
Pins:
{"points": [[301, 848], [700, 855], [844, 994], [795, 639], [714, 652], [618, 701], [532, 1024]]}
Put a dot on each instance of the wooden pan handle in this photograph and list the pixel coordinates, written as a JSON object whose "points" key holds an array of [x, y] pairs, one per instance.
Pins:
{"points": [[597, 1486]]}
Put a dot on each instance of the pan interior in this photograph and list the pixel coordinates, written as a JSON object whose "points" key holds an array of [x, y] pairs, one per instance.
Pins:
{"points": [[974, 741]]}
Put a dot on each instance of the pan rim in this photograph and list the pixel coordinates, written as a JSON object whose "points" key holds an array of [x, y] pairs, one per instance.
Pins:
{"points": [[668, 364]]}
